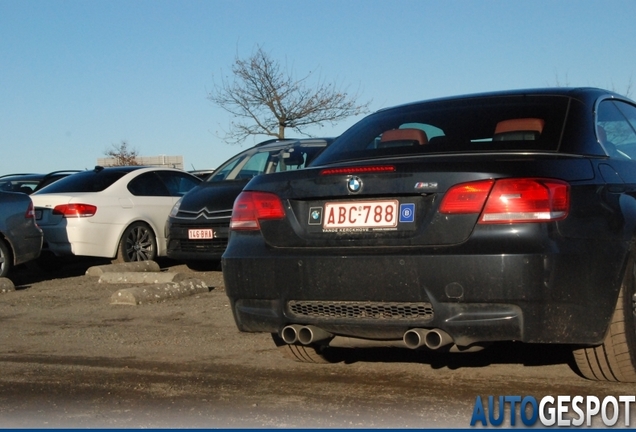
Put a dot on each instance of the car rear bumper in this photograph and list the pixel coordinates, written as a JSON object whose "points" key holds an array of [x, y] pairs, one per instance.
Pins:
{"points": [[542, 298], [81, 238], [28, 247]]}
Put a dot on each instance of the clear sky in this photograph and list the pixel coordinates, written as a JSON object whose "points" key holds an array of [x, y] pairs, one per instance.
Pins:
{"points": [[79, 76]]}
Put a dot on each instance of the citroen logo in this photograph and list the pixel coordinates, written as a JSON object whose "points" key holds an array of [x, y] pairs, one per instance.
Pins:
{"points": [[354, 184]]}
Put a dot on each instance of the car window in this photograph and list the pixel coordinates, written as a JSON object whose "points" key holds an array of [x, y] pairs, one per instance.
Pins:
{"points": [[290, 159], [629, 111], [628, 144], [254, 166], [297, 157], [616, 128], [488, 124], [52, 178], [224, 170], [85, 181], [177, 183], [148, 184], [26, 187], [47, 181]]}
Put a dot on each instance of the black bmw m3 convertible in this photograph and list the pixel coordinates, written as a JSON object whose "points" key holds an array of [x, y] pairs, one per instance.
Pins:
{"points": [[450, 224]]}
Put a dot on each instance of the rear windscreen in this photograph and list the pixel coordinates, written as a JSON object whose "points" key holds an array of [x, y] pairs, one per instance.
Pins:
{"points": [[86, 181], [499, 124]]}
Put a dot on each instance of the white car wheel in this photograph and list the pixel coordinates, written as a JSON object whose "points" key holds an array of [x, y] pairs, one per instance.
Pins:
{"points": [[137, 244]]}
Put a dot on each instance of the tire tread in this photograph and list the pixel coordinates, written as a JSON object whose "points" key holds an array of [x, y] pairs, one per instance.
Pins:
{"points": [[613, 360]]}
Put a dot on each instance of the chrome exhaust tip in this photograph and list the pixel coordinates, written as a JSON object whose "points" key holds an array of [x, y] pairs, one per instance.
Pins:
{"points": [[415, 338], [437, 338], [311, 334], [432, 339], [289, 334]]}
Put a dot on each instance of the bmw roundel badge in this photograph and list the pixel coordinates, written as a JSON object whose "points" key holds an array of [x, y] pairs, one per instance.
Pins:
{"points": [[354, 184]]}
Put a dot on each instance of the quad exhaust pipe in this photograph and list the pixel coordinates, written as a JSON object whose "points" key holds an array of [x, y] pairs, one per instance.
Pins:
{"points": [[414, 338], [306, 335], [432, 339]]}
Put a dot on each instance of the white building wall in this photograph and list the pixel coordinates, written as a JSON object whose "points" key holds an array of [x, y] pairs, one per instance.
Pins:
{"points": [[161, 160]]}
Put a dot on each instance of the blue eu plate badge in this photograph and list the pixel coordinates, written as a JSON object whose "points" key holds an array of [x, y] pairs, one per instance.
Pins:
{"points": [[407, 213]]}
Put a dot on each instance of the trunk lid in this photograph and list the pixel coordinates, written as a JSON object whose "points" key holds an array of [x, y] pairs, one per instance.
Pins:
{"points": [[402, 204]]}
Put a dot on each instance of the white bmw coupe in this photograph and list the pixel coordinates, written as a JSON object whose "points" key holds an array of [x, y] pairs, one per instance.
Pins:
{"points": [[116, 212]]}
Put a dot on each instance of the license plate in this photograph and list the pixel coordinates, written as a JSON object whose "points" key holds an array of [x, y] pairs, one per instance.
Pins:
{"points": [[200, 234], [361, 214], [38, 214]]}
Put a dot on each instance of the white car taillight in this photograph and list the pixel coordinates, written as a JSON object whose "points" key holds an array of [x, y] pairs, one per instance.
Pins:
{"points": [[75, 210]]}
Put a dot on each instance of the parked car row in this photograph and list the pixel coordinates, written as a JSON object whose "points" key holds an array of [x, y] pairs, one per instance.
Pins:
{"points": [[121, 213]]}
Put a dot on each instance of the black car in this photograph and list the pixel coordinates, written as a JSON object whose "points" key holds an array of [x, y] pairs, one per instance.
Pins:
{"points": [[198, 226], [29, 182], [450, 224]]}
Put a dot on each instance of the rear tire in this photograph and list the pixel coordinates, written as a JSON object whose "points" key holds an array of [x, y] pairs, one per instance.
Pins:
{"points": [[5, 259], [615, 358], [138, 243], [302, 353]]}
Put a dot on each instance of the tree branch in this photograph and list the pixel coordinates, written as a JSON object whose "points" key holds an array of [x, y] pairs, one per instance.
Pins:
{"points": [[265, 100]]}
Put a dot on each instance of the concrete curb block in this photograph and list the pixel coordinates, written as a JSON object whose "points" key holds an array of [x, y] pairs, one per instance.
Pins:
{"points": [[138, 266], [159, 292], [142, 277], [6, 285]]}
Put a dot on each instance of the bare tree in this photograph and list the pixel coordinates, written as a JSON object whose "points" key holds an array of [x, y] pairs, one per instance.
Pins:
{"points": [[628, 88], [559, 83], [627, 92], [123, 155], [265, 99]]}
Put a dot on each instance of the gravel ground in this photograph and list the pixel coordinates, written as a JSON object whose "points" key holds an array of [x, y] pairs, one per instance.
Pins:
{"points": [[70, 358], [54, 313]]}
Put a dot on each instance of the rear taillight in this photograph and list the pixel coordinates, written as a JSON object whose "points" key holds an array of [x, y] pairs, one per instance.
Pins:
{"points": [[251, 207], [466, 197], [527, 200], [30, 213], [510, 200], [75, 210]]}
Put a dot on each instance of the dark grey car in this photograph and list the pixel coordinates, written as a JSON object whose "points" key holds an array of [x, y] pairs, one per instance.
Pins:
{"points": [[20, 237]]}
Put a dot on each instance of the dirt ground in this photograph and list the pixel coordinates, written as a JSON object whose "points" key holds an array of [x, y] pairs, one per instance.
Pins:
{"points": [[67, 311], [70, 358]]}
